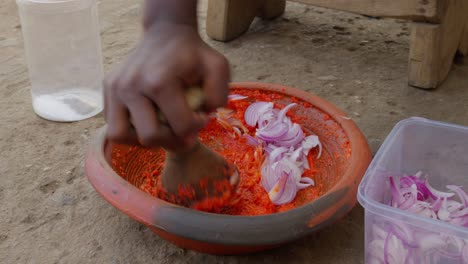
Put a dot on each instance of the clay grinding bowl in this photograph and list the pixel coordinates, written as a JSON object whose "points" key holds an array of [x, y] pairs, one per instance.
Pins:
{"points": [[344, 161]]}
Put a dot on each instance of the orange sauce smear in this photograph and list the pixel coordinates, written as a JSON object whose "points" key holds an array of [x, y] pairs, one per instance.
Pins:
{"points": [[250, 197]]}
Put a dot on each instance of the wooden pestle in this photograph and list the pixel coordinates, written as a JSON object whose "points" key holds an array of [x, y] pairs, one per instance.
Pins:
{"points": [[196, 166]]}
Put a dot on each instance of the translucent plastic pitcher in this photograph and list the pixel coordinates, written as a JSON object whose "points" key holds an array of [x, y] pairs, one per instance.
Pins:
{"points": [[63, 53]]}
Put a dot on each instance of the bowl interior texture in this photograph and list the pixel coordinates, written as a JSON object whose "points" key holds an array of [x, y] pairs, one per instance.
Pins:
{"points": [[134, 164]]}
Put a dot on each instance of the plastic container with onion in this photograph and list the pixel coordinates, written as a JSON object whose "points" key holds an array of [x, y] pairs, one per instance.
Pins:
{"points": [[394, 235]]}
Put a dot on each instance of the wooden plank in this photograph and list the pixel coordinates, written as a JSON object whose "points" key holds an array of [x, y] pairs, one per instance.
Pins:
{"points": [[463, 48], [433, 47], [416, 10], [424, 55]]}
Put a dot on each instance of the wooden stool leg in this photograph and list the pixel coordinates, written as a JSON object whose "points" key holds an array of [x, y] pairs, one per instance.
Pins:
{"points": [[272, 8], [464, 42], [433, 46], [228, 19]]}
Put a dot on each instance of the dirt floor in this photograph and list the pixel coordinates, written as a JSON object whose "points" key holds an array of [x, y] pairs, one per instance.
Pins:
{"points": [[49, 213]]}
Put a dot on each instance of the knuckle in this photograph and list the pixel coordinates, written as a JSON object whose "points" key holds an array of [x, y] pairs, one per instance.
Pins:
{"points": [[152, 84], [148, 140], [219, 99], [185, 129], [116, 134], [125, 91]]}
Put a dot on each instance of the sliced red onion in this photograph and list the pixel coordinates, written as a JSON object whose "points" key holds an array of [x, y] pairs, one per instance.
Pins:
{"points": [[403, 198], [288, 194], [431, 241], [266, 119], [235, 97], [461, 194], [279, 188], [255, 110], [397, 198], [423, 208], [386, 246], [410, 193], [394, 251], [271, 180], [443, 212], [460, 221], [305, 182], [290, 166], [297, 155], [423, 190], [404, 233], [278, 153], [438, 193], [465, 253], [453, 206], [286, 150], [237, 131], [251, 140], [305, 164], [293, 137], [376, 250], [271, 132], [311, 142], [437, 204], [285, 167], [459, 213], [268, 148], [268, 175], [282, 113]]}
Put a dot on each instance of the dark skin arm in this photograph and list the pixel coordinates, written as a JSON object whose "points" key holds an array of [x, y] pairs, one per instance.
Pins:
{"points": [[170, 58]]}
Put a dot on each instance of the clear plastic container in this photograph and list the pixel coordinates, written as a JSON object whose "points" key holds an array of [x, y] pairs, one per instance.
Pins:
{"points": [[63, 53], [441, 151]]}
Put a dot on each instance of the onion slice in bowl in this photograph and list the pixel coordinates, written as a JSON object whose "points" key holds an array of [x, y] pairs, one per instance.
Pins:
{"points": [[286, 149]]}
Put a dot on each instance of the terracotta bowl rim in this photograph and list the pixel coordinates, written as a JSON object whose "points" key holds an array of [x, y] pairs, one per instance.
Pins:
{"points": [[358, 161]]}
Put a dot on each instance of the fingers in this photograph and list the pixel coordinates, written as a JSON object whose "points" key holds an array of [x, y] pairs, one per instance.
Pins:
{"points": [[117, 118], [145, 121], [216, 79], [148, 83], [171, 101]]}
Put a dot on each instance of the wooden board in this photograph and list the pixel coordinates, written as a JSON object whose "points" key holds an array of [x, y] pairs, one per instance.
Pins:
{"points": [[433, 46], [463, 48], [424, 55], [416, 10]]}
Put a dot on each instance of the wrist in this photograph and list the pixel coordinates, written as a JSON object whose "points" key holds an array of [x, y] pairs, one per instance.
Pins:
{"points": [[176, 12]]}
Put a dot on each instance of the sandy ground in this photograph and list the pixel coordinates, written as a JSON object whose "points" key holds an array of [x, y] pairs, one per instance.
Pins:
{"points": [[49, 213]]}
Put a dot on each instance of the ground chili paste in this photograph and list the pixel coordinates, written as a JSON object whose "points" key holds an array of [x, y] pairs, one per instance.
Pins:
{"points": [[250, 198]]}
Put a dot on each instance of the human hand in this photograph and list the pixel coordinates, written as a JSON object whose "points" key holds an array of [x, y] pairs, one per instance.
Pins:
{"points": [[169, 59]]}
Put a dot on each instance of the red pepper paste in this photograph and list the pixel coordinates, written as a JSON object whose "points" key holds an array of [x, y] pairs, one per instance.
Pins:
{"points": [[250, 197]]}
